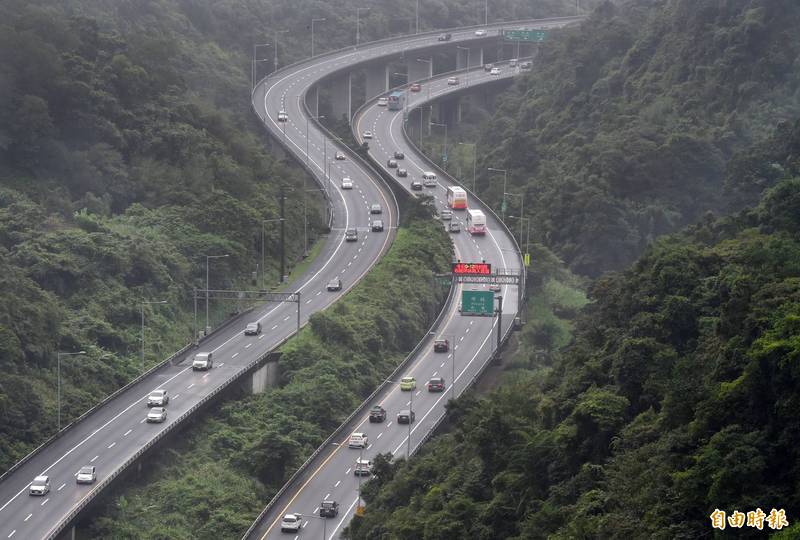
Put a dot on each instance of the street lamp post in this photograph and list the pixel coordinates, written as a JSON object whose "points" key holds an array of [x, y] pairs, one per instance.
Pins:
{"points": [[452, 338], [417, 16], [208, 328], [505, 181], [263, 256], [528, 230], [410, 413], [358, 22], [445, 142], [324, 523], [145, 302], [485, 12], [58, 362], [253, 72], [474, 160], [429, 62], [521, 210], [312, 33]]}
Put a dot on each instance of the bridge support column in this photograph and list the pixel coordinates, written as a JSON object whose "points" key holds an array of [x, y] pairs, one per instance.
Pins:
{"points": [[265, 376], [419, 70], [68, 534], [447, 111], [475, 58], [377, 80], [342, 97]]}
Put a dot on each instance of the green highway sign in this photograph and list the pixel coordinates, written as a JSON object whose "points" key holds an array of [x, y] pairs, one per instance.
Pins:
{"points": [[477, 303], [533, 36]]}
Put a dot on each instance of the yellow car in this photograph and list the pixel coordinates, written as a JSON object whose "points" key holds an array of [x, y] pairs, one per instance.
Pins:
{"points": [[408, 383]]}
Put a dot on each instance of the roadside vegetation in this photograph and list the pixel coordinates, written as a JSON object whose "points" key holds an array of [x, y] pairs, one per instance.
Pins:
{"points": [[213, 481]]}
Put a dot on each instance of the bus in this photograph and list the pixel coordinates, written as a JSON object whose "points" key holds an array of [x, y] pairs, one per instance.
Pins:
{"points": [[456, 198], [476, 222], [396, 101]]}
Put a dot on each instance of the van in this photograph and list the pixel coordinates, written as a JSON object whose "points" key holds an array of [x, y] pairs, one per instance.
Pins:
{"points": [[429, 179], [203, 360]]}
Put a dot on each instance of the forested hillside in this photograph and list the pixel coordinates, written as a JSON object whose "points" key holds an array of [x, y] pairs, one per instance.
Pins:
{"points": [[623, 129], [678, 397]]}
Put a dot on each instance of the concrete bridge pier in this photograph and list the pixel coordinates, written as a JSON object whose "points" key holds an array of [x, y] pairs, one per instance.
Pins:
{"points": [[377, 82], [312, 100], [341, 94], [475, 55], [263, 377]]}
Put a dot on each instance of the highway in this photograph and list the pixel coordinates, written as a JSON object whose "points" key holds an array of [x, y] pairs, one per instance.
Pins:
{"points": [[472, 339]]}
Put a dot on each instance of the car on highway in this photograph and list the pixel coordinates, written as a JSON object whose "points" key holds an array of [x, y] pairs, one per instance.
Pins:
{"points": [[375, 209], [366, 134], [156, 415], [392, 163], [405, 416], [452, 81], [416, 87], [203, 361], [335, 284], [441, 345], [158, 398], [512, 62], [377, 414], [480, 32], [454, 227], [495, 287], [408, 383], [377, 225], [252, 329], [525, 65], [340, 156], [399, 155], [328, 509], [436, 384], [429, 179], [446, 215], [402, 173], [291, 523], [40, 485], [358, 440], [351, 235], [416, 185], [495, 71], [86, 475], [488, 67], [363, 467], [282, 116], [347, 183], [445, 37], [383, 102]]}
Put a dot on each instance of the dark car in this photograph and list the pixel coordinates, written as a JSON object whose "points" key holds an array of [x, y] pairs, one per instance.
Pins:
{"points": [[444, 37], [436, 384], [416, 87], [377, 225], [335, 284], [377, 414], [351, 235], [399, 155], [392, 163], [328, 509], [402, 173], [252, 329], [416, 185], [441, 345], [405, 416]]}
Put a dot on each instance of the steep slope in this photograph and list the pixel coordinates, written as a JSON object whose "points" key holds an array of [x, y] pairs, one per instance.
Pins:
{"points": [[678, 397]]}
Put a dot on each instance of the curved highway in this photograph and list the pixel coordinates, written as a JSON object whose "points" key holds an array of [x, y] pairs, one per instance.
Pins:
{"points": [[472, 339]]}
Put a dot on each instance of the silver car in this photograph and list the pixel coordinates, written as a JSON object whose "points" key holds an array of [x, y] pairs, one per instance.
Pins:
{"points": [[157, 415], [86, 475], [40, 486]]}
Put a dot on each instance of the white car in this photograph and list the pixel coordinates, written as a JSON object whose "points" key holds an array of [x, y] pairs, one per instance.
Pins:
{"points": [[452, 81], [158, 398], [347, 183], [358, 440], [480, 32], [495, 71], [382, 102], [363, 467], [157, 415], [282, 116], [40, 486], [291, 523], [86, 475], [367, 134]]}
